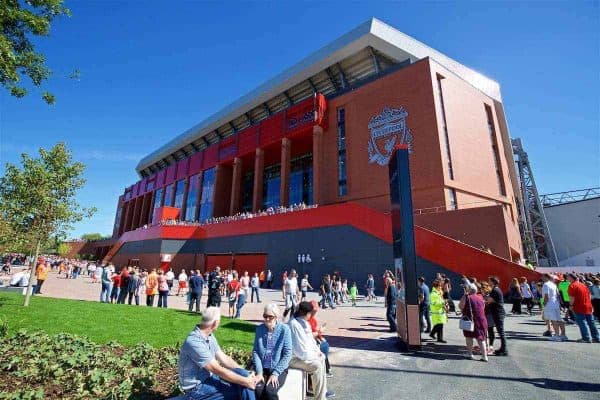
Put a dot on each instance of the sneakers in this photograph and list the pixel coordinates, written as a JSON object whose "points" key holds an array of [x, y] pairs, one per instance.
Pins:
{"points": [[548, 333], [330, 394], [556, 338], [500, 353], [329, 375], [490, 352], [596, 340], [583, 341]]}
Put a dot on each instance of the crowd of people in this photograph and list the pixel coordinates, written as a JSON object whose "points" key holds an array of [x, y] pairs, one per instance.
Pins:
{"points": [[240, 216], [560, 299]]}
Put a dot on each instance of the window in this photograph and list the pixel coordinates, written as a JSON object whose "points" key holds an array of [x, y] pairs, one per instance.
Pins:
{"points": [[452, 198], [342, 170], [191, 204], [149, 186], [441, 112], [158, 198], [169, 195], [495, 151], [179, 192], [208, 188], [247, 191], [301, 180], [271, 184]]}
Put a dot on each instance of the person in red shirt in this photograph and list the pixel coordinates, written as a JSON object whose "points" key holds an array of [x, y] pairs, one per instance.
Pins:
{"points": [[114, 295], [233, 289], [581, 305]]}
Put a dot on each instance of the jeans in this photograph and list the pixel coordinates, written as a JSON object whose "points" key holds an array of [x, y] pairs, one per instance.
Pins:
{"points": [[240, 303], [38, 287], [327, 297], [162, 298], [105, 292], [255, 290], [269, 392], [131, 296], [194, 299], [122, 295], [391, 317], [586, 325], [499, 323], [424, 316], [215, 388], [114, 294], [324, 347]]}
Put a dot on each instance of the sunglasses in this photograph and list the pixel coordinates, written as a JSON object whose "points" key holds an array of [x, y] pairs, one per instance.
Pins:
{"points": [[268, 317]]}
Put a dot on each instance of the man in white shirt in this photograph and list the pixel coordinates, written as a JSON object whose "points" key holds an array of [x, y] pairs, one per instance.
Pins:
{"points": [[552, 308], [290, 293], [20, 279], [306, 353]]}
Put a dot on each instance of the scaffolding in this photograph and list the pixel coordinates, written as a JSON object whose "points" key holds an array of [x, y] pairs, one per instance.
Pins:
{"points": [[537, 241]]}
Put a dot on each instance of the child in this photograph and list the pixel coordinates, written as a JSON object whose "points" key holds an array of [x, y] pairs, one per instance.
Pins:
{"points": [[353, 292]]}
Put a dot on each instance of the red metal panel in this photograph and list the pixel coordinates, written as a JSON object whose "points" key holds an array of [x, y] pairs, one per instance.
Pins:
{"points": [[170, 177], [182, 168], [271, 129], [247, 140], [300, 116], [165, 213], [228, 148], [211, 155], [195, 163], [160, 178]]}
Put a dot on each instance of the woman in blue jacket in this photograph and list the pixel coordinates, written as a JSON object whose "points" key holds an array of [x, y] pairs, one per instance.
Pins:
{"points": [[271, 354]]}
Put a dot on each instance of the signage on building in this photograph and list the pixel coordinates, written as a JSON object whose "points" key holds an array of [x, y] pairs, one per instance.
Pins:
{"points": [[388, 129]]}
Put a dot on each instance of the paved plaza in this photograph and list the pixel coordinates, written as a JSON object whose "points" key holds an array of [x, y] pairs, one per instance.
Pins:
{"points": [[367, 363]]}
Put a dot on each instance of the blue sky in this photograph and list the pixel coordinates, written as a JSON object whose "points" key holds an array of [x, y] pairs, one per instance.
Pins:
{"points": [[150, 70]]}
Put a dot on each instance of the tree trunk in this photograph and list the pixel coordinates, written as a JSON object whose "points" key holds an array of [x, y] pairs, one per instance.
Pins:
{"points": [[32, 275]]}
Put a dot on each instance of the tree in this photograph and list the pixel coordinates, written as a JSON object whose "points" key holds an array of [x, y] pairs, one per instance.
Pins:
{"points": [[19, 20], [37, 201], [91, 236], [63, 249]]}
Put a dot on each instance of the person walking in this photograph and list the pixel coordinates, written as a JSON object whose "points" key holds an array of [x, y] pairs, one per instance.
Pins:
{"points": [[304, 286], [133, 287], [196, 285], [163, 289], [581, 306], [473, 309], [255, 287], [326, 296], [233, 290], [41, 274], [438, 311], [370, 286], [290, 293], [595, 291], [527, 294], [552, 308], [391, 295], [214, 288], [181, 282], [353, 294], [106, 285], [151, 287], [424, 298], [496, 304], [269, 279], [170, 275], [515, 295]]}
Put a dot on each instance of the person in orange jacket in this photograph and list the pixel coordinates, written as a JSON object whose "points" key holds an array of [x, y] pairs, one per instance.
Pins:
{"points": [[41, 273], [151, 287]]}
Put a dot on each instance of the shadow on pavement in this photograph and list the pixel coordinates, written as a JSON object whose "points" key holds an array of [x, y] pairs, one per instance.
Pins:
{"points": [[388, 344], [542, 383]]}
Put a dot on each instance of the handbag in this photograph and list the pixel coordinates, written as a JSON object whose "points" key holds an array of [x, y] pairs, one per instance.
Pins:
{"points": [[466, 323]]}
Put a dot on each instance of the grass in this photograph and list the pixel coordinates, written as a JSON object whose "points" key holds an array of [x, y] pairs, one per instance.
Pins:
{"points": [[102, 323]]}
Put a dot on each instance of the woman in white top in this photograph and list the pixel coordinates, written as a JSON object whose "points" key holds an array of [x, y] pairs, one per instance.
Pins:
{"points": [[182, 279]]}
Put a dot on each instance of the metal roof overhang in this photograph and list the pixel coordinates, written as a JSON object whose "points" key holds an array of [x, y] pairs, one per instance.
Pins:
{"points": [[366, 50]]}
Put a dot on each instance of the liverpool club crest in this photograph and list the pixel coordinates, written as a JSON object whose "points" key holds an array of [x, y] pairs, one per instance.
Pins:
{"points": [[388, 129]]}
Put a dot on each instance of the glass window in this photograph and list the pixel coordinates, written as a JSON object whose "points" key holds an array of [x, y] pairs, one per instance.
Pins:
{"points": [[452, 197], [342, 171], [247, 191], [191, 204], [158, 197], [179, 191], [208, 188], [301, 180], [149, 186], [169, 195], [271, 186]]}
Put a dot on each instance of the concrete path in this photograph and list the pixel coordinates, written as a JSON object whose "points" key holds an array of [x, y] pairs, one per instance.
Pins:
{"points": [[367, 363]]}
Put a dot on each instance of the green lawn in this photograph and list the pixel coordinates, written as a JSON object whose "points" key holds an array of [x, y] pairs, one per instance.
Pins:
{"points": [[125, 324]]}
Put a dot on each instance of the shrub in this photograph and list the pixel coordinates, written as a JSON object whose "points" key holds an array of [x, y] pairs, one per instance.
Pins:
{"points": [[66, 366]]}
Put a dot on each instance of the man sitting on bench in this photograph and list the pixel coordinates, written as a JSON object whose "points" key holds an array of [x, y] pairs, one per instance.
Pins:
{"points": [[205, 372], [306, 353]]}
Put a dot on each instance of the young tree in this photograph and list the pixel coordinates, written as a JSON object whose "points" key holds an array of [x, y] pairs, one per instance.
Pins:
{"points": [[19, 20], [91, 236], [38, 202]]}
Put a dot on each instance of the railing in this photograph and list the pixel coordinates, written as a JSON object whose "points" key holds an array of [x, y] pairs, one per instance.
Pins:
{"points": [[554, 199]]}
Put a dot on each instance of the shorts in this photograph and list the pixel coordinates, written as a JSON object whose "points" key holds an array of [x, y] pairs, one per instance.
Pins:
{"points": [[551, 314], [182, 285]]}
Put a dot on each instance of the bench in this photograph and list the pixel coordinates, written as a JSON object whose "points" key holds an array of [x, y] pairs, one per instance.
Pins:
{"points": [[14, 289], [293, 389]]}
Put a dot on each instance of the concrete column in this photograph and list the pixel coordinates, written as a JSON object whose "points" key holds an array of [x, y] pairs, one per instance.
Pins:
{"points": [[128, 216], [284, 175], [137, 208], [236, 186], [143, 211], [259, 169], [317, 164]]}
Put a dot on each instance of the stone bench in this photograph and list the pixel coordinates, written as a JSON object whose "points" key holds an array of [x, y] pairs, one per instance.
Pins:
{"points": [[13, 289], [293, 389]]}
